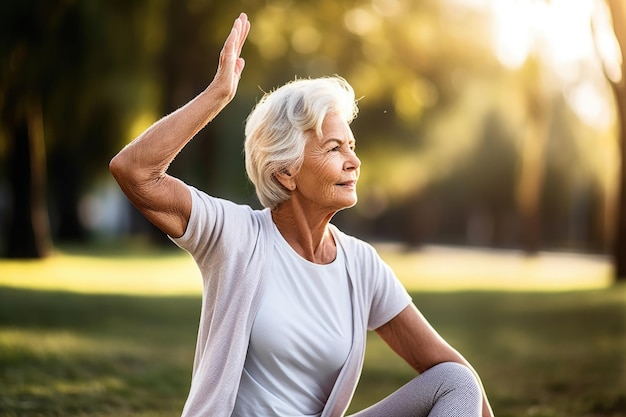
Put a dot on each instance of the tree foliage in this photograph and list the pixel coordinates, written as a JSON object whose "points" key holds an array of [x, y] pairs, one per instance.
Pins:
{"points": [[441, 130]]}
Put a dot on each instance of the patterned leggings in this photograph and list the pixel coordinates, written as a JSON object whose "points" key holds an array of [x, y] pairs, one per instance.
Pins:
{"points": [[445, 390]]}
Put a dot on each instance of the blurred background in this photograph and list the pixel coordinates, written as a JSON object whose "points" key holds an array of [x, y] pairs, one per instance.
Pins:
{"points": [[492, 137], [482, 123]]}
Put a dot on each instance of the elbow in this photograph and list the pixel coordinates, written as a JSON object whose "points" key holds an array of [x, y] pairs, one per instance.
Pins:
{"points": [[117, 167], [124, 170], [130, 174]]}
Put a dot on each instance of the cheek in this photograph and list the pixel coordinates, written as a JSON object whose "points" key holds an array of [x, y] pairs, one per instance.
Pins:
{"points": [[322, 170]]}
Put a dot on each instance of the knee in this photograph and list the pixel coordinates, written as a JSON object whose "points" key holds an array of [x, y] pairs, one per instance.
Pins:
{"points": [[457, 377]]}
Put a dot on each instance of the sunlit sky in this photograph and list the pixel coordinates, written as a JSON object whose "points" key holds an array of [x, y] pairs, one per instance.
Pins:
{"points": [[560, 33]]}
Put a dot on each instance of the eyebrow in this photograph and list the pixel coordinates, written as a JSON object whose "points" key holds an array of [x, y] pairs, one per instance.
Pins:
{"points": [[339, 141]]}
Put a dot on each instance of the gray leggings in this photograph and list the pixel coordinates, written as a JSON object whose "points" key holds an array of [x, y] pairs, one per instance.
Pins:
{"points": [[445, 390]]}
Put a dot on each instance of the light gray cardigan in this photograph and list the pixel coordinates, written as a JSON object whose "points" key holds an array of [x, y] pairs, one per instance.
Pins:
{"points": [[231, 245]]}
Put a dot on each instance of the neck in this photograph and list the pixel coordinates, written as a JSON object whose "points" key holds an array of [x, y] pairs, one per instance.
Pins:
{"points": [[306, 232]]}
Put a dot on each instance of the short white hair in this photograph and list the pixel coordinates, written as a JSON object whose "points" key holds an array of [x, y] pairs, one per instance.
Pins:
{"points": [[276, 129]]}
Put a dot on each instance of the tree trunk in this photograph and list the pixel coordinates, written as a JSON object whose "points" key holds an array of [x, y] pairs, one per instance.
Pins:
{"points": [[619, 251], [67, 187], [618, 16], [29, 231], [532, 162]]}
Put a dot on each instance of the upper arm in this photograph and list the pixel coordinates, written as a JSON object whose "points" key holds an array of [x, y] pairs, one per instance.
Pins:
{"points": [[411, 336], [164, 200]]}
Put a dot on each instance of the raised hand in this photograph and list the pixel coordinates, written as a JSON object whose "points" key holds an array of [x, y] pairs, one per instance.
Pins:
{"points": [[231, 64], [140, 168]]}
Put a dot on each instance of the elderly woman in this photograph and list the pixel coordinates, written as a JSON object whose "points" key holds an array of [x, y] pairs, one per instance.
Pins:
{"points": [[287, 297]]}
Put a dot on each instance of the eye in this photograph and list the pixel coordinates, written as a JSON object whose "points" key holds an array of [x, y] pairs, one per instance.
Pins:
{"points": [[335, 148]]}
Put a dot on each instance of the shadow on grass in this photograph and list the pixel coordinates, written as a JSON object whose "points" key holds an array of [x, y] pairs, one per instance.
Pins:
{"points": [[66, 354]]}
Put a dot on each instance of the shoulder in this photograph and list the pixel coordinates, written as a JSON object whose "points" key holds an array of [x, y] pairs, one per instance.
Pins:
{"points": [[215, 221], [204, 204]]}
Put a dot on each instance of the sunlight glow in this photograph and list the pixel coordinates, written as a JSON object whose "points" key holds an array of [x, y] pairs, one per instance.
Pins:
{"points": [[512, 32], [606, 44], [567, 32], [477, 4], [101, 275], [361, 21], [387, 8], [432, 268], [590, 104], [265, 36], [574, 41], [411, 100], [306, 40], [437, 268], [558, 31], [141, 123]]}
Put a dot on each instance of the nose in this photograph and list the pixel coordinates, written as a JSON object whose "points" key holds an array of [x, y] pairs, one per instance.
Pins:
{"points": [[352, 161]]}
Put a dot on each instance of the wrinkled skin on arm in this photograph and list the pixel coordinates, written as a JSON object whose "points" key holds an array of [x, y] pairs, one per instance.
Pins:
{"points": [[140, 168]]}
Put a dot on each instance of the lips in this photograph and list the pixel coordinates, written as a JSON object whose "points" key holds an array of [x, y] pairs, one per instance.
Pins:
{"points": [[350, 183]]}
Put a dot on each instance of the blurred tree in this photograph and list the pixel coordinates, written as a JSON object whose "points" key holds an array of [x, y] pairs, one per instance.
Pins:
{"points": [[109, 49], [28, 227], [440, 132], [618, 15], [186, 65], [68, 67], [533, 156], [24, 47]]}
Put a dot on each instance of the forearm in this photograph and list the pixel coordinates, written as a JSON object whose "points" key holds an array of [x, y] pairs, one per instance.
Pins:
{"points": [[487, 411], [148, 156], [140, 168], [417, 342]]}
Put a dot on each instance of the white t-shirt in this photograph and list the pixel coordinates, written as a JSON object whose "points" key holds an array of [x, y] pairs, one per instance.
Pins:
{"points": [[232, 245], [300, 338]]}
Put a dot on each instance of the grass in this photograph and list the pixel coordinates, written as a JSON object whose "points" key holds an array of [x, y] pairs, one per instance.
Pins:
{"points": [[106, 350], [541, 354], [135, 268], [66, 354]]}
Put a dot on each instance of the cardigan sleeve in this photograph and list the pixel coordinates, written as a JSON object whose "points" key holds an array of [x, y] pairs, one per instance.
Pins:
{"points": [[229, 244]]}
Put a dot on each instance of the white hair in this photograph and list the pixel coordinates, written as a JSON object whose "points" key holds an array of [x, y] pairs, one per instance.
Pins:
{"points": [[276, 129]]}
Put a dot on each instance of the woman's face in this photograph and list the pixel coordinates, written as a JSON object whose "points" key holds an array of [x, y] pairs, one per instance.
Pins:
{"points": [[330, 170]]}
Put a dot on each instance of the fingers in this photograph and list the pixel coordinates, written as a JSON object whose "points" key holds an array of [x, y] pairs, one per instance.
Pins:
{"points": [[237, 37], [239, 65], [242, 25], [241, 28], [231, 64]]}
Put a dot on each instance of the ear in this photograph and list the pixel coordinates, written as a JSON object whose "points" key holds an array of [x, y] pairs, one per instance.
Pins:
{"points": [[286, 179]]}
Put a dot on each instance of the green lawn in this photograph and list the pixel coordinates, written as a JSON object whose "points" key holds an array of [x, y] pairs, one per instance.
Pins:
{"points": [[62, 353]]}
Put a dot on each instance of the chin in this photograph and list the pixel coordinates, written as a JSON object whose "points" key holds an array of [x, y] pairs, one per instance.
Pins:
{"points": [[349, 204]]}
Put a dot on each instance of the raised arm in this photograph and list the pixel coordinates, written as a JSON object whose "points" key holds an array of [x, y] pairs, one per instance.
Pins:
{"points": [[140, 168]]}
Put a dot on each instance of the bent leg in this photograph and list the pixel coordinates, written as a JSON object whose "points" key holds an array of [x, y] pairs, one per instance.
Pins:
{"points": [[445, 390]]}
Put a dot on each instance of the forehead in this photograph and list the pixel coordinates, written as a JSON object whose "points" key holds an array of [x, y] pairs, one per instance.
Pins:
{"points": [[335, 127]]}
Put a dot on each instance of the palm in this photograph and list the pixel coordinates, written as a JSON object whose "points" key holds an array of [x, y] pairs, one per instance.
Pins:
{"points": [[231, 64]]}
